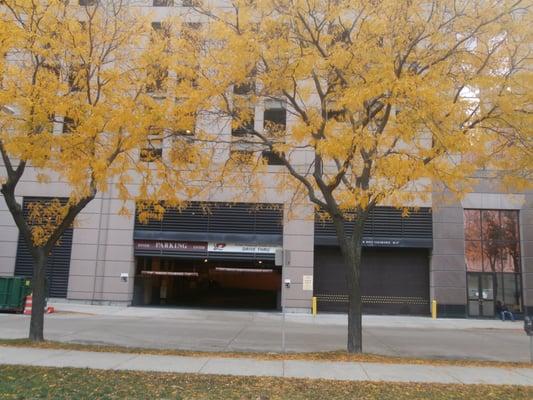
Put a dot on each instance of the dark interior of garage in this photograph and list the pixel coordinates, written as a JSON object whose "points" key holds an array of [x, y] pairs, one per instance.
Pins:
{"points": [[204, 283]]}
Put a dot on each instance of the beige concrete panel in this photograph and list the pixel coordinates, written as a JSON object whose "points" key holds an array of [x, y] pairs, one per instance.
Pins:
{"points": [[298, 227], [118, 253], [304, 304], [448, 246], [52, 189], [82, 267], [300, 259], [6, 219], [114, 285], [527, 264], [81, 283], [443, 230], [526, 248], [88, 221], [120, 222], [449, 295], [526, 217], [7, 266], [472, 200], [111, 297], [296, 274], [448, 215], [117, 237], [113, 269], [83, 251], [528, 297], [448, 262], [528, 280], [8, 249], [85, 236], [301, 243], [454, 279], [296, 292], [93, 207]]}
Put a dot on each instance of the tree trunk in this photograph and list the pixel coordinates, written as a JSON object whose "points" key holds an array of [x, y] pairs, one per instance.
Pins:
{"points": [[351, 249], [39, 296]]}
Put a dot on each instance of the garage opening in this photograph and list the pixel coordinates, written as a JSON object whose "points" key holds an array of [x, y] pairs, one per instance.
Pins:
{"points": [[205, 283], [393, 281]]}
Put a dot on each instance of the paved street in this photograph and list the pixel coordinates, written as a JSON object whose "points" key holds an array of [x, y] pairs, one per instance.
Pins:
{"points": [[247, 331]]}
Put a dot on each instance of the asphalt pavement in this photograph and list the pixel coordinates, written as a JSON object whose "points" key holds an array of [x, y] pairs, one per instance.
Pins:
{"points": [[262, 332]]}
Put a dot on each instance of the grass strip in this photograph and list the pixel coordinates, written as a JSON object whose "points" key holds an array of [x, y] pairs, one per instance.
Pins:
{"points": [[26, 382], [317, 356]]}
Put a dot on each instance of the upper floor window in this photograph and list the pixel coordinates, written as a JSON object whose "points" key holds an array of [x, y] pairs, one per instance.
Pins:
{"points": [[69, 125], [246, 124], [153, 149], [88, 3], [191, 3], [274, 124], [492, 240], [163, 3]]}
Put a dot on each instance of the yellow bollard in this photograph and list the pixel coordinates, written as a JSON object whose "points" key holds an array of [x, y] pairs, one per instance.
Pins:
{"points": [[434, 309], [313, 306]]}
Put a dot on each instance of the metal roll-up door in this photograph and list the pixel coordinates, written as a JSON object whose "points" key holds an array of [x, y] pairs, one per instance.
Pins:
{"points": [[58, 266], [393, 281]]}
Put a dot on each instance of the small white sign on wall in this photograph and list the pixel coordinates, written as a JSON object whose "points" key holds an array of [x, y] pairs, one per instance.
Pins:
{"points": [[307, 282]]}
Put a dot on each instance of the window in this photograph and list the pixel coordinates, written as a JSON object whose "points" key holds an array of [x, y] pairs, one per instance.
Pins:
{"points": [[337, 115], [163, 3], [245, 88], [492, 249], [75, 78], [275, 116], [191, 3], [246, 123], [156, 79], [154, 146], [69, 125], [88, 3], [274, 124], [492, 241]]}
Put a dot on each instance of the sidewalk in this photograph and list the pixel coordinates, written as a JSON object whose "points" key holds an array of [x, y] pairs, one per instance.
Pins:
{"points": [[369, 321], [349, 371]]}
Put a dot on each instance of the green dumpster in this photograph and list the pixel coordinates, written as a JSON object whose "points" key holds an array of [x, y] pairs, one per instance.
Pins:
{"points": [[13, 291]]}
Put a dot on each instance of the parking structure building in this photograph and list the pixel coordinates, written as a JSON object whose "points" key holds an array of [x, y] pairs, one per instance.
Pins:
{"points": [[467, 255]]}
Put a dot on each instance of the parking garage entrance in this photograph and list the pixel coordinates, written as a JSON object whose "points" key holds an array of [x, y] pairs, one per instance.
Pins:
{"points": [[245, 281], [210, 255]]}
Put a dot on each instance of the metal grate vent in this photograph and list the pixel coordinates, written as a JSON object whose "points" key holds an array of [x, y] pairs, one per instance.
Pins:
{"points": [[385, 223], [237, 218], [58, 266]]}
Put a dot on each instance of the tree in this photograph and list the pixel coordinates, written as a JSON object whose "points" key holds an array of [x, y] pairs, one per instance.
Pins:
{"points": [[384, 97], [76, 104]]}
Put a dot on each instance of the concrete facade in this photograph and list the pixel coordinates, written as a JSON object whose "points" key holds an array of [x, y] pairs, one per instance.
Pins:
{"points": [[102, 249], [102, 246]]}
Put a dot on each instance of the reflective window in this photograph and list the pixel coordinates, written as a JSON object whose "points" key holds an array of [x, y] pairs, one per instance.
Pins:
{"points": [[492, 254], [492, 241], [473, 256]]}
